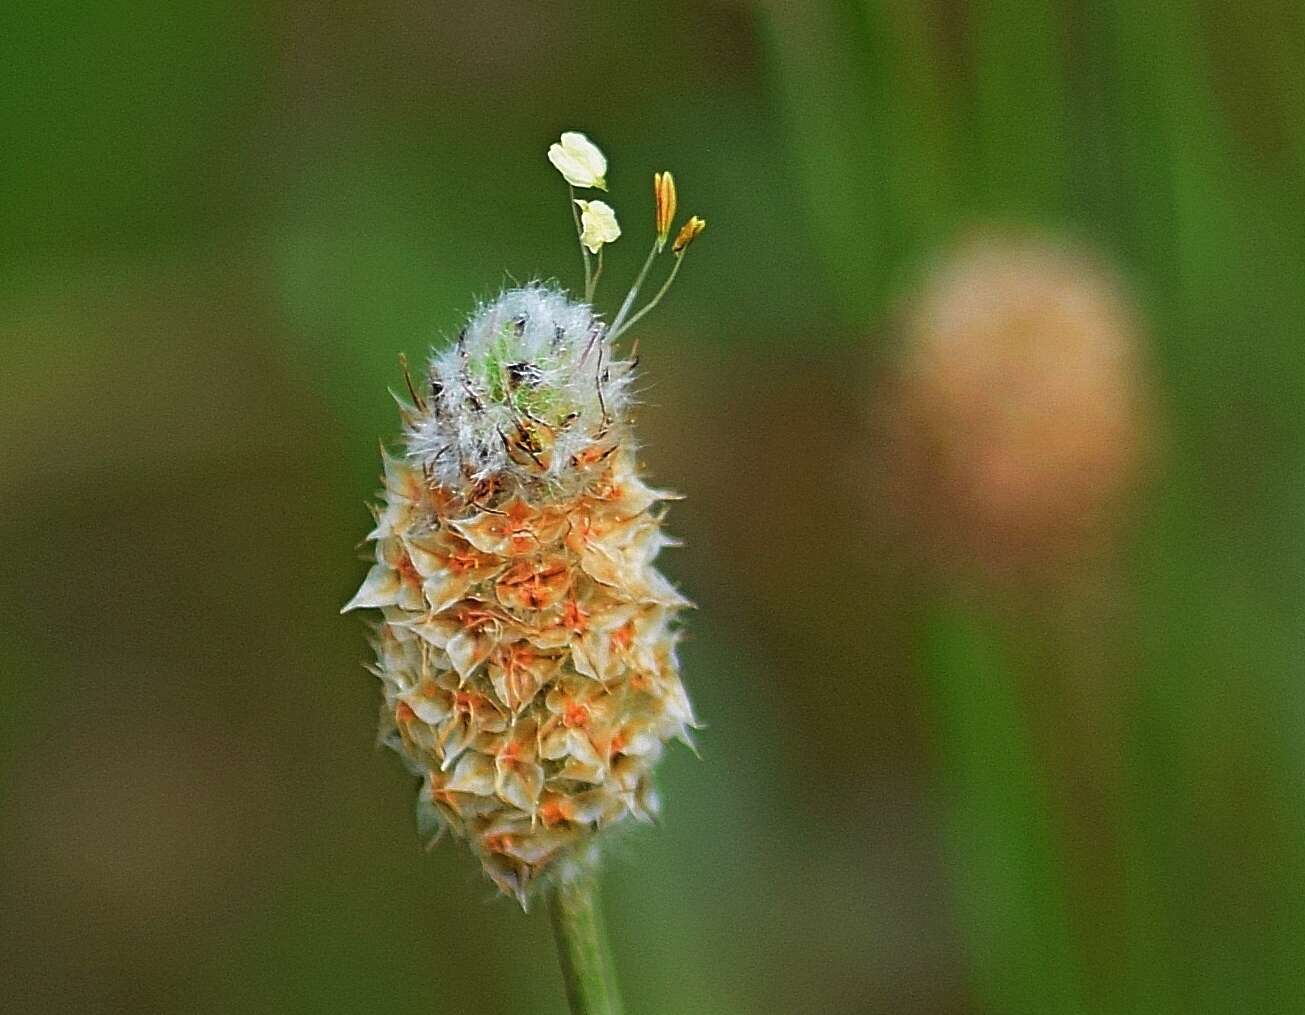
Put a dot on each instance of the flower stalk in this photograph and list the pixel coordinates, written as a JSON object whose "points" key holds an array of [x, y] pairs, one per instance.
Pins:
{"points": [[652, 303], [633, 294], [584, 251], [526, 641], [582, 949]]}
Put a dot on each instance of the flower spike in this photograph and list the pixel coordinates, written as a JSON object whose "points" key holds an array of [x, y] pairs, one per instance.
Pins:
{"points": [[526, 646]]}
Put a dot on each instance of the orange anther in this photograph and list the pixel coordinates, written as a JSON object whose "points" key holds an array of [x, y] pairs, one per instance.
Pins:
{"points": [[575, 714], [623, 636], [498, 843], [463, 561], [407, 570], [574, 617], [556, 810]]}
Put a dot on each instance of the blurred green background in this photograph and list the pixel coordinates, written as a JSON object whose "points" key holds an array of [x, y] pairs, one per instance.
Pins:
{"points": [[923, 789]]}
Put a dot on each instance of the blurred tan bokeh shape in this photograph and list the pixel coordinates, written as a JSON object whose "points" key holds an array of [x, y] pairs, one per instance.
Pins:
{"points": [[1017, 409]]}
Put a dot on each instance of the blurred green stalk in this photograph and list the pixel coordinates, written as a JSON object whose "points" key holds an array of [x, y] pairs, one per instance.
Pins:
{"points": [[582, 948], [1009, 885]]}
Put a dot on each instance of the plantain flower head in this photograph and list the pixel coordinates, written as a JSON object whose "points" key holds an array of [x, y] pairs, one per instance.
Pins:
{"points": [[526, 643]]}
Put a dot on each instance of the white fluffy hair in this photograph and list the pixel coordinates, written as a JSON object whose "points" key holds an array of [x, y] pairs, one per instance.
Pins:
{"points": [[530, 361]]}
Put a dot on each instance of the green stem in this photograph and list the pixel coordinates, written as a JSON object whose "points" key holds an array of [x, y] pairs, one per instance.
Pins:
{"points": [[582, 947], [630, 297], [593, 283], [679, 259], [584, 252]]}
